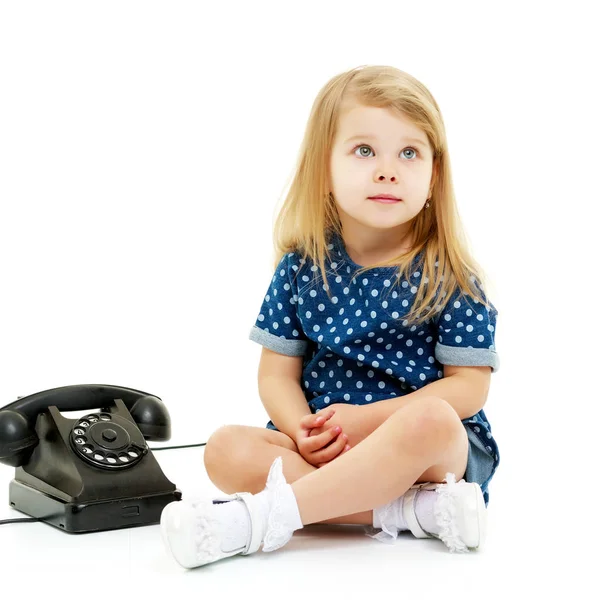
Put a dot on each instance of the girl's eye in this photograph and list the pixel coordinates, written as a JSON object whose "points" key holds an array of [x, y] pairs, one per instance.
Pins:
{"points": [[365, 155]]}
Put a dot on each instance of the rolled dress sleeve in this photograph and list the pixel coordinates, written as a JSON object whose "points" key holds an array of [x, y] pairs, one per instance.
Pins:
{"points": [[466, 333], [277, 326]]}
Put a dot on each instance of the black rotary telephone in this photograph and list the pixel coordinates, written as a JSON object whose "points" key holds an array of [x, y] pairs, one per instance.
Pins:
{"points": [[89, 474]]}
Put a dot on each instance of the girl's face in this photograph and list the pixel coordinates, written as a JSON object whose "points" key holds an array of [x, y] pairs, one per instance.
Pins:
{"points": [[378, 152]]}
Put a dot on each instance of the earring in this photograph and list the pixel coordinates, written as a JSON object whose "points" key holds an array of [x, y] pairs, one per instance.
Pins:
{"points": [[427, 203]]}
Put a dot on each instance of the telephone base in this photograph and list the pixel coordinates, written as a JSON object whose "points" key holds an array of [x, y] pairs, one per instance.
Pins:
{"points": [[102, 515]]}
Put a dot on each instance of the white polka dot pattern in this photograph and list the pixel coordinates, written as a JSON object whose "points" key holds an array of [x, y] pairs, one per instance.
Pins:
{"points": [[357, 343], [358, 347]]}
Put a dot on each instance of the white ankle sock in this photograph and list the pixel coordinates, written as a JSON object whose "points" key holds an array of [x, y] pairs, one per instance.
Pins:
{"points": [[424, 503], [284, 518], [234, 520], [397, 516]]}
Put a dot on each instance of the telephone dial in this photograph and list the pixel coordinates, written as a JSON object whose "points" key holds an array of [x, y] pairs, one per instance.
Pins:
{"points": [[93, 473]]}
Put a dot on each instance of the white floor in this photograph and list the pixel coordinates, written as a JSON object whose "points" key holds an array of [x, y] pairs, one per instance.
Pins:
{"points": [[523, 556]]}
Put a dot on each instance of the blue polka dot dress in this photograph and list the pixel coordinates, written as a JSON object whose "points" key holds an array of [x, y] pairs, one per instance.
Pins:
{"points": [[357, 347]]}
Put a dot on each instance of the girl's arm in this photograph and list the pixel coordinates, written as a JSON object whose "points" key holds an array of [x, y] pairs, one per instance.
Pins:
{"points": [[464, 388], [280, 391], [284, 402]]}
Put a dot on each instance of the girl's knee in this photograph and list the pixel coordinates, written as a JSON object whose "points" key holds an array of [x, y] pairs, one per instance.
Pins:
{"points": [[223, 447], [430, 421], [233, 454]]}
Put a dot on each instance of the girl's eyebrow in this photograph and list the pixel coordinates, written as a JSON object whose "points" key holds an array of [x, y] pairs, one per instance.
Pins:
{"points": [[367, 136]]}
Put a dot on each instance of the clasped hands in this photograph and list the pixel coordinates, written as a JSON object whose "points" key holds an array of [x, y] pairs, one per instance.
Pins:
{"points": [[324, 436]]}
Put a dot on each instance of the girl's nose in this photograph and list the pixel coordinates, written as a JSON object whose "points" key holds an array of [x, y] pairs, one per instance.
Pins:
{"points": [[382, 177]]}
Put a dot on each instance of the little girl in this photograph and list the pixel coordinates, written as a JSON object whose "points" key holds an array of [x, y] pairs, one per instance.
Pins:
{"points": [[378, 345]]}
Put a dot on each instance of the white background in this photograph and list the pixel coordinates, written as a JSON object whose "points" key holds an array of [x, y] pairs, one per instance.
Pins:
{"points": [[145, 147]]}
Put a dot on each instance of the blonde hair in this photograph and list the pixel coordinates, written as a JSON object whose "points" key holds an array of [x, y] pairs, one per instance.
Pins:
{"points": [[309, 212]]}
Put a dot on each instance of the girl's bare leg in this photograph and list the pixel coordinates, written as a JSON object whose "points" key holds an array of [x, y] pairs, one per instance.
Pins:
{"points": [[420, 444], [425, 439], [238, 458]]}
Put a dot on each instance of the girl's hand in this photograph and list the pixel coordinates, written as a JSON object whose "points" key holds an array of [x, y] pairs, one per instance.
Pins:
{"points": [[320, 449], [351, 418]]}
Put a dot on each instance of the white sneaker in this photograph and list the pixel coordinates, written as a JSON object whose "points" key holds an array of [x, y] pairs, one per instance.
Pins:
{"points": [[191, 532], [459, 511]]}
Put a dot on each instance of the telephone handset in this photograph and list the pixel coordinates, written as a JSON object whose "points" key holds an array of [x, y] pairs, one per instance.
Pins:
{"points": [[92, 473]]}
